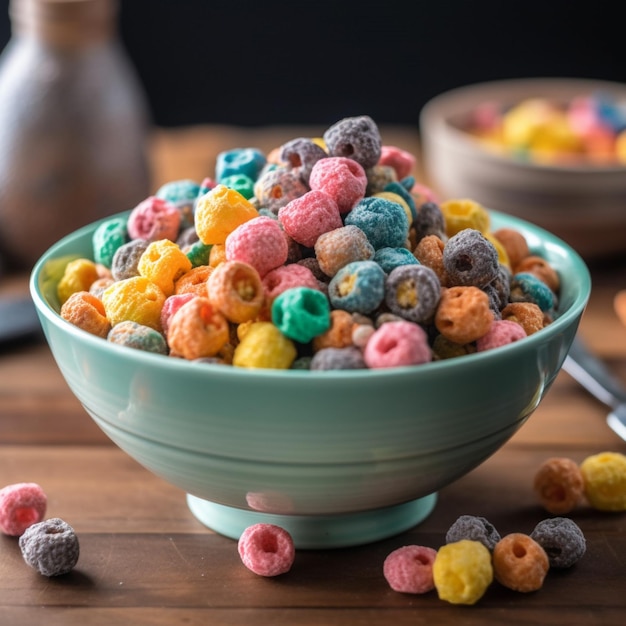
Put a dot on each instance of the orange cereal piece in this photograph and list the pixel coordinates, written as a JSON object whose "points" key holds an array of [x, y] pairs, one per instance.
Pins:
{"points": [[78, 275], [86, 311], [559, 485], [463, 314], [540, 268], [520, 563], [163, 262], [460, 214], [235, 288], [136, 299], [527, 314], [197, 330], [339, 335], [429, 252], [514, 243], [194, 281], [619, 304], [219, 211], [217, 254]]}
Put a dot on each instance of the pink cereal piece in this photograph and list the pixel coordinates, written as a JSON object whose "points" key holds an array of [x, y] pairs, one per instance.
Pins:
{"points": [[259, 242], [171, 305], [266, 549], [402, 161], [153, 219], [21, 506], [423, 194], [287, 276], [341, 178], [309, 216], [395, 344], [409, 569], [499, 334]]}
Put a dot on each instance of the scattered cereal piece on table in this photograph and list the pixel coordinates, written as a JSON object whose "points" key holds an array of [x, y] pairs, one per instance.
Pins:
{"points": [[559, 485], [266, 549], [21, 506], [51, 547], [604, 475], [562, 540], [520, 563], [409, 569], [474, 528]]}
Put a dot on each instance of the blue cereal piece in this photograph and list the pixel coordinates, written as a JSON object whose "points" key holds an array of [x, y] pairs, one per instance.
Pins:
{"points": [[390, 258], [356, 138], [247, 161], [526, 287], [384, 222], [358, 287], [301, 313], [179, 191], [138, 336], [107, 238], [241, 183], [399, 189]]}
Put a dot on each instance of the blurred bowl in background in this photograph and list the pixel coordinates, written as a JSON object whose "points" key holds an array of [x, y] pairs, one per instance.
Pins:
{"points": [[583, 203]]}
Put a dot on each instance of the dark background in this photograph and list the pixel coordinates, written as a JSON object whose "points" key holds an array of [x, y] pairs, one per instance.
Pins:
{"points": [[254, 62]]}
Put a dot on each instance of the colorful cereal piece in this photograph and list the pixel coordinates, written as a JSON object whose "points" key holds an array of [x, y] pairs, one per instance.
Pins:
{"points": [[197, 252], [138, 337], [259, 242], [301, 154], [527, 314], [474, 528], [429, 252], [107, 238], [559, 485], [500, 333], [540, 268], [462, 213], [357, 138], [137, 299], [399, 190], [51, 547], [171, 305], [342, 179], [287, 276], [154, 219], [520, 563], [396, 344], [78, 275], [301, 313], [358, 287], [126, 258], [307, 217], [235, 288], [469, 258], [390, 258], [384, 222], [21, 506], [526, 287], [402, 161], [264, 346], [514, 243], [331, 358], [463, 314], [219, 212], [338, 334], [378, 177], [194, 281], [412, 292], [409, 569], [197, 330], [562, 540], [277, 187], [604, 475], [266, 549], [179, 191], [247, 161], [340, 246], [85, 310], [462, 571], [163, 263]]}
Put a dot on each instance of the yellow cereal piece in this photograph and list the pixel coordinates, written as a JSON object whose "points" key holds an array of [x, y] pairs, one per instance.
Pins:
{"points": [[398, 199], [78, 275], [136, 299], [163, 263], [264, 346], [464, 213], [219, 212], [604, 475], [620, 147], [462, 571], [503, 257]]}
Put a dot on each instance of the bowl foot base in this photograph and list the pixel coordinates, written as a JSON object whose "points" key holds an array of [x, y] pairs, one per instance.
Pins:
{"points": [[318, 531]]}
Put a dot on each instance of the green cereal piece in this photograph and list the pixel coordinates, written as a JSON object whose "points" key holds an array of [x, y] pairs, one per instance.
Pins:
{"points": [[107, 238], [198, 253], [301, 313], [241, 183]]}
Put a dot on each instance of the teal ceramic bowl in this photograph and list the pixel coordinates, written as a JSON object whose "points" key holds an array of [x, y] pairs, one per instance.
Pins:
{"points": [[337, 458]]}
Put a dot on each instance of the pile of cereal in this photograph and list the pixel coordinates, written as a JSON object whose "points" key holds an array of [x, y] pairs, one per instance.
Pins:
{"points": [[324, 254], [588, 129]]}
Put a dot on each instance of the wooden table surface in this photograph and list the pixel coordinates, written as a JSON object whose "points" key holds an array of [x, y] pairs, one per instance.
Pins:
{"points": [[146, 560]]}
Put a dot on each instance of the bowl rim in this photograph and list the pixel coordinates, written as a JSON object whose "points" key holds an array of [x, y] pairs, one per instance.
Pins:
{"points": [[432, 118], [143, 358]]}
